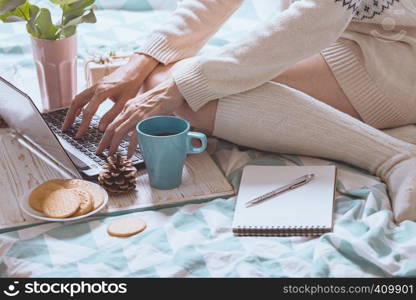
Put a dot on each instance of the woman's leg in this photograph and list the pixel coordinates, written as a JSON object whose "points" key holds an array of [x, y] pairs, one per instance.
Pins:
{"points": [[314, 77], [311, 76], [278, 118]]}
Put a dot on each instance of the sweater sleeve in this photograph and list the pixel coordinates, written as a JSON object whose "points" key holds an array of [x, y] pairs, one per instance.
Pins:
{"points": [[187, 30], [304, 29]]}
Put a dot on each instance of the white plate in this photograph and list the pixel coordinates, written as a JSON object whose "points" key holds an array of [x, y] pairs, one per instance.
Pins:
{"points": [[25, 206]]}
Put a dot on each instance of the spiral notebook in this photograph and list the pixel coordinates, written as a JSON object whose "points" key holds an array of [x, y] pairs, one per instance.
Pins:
{"points": [[304, 211]]}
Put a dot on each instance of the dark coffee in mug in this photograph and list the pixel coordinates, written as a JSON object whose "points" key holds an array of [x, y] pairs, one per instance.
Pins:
{"points": [[165, 133]]}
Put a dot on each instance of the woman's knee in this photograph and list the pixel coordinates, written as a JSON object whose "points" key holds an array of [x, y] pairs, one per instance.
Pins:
{"points": [[202, 120]]}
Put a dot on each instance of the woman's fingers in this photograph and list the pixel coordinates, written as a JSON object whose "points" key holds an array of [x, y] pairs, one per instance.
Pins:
{"points": [[109, 132], [90, 110], [109, 116], [76, 105], [117, 130], [94, 96], [132, 144], [120, 132]]}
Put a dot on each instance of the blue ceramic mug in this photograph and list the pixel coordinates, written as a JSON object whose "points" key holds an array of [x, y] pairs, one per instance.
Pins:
{"points": [[164, 142]]}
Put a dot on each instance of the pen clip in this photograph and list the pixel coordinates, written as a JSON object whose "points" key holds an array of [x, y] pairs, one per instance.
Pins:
{"points": [[303, 180]]}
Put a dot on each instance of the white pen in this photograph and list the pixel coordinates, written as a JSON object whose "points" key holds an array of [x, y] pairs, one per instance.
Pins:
{"points": [[291, 186]]}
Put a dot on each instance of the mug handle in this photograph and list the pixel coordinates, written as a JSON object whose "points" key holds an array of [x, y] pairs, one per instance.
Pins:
{"points": [[196, 135]]}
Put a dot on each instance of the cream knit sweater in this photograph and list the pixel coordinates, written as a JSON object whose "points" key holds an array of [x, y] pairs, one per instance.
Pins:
{"points": [[304, 29]]}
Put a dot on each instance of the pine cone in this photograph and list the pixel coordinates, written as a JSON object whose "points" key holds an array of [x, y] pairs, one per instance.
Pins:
{"points": [[118, 175]]}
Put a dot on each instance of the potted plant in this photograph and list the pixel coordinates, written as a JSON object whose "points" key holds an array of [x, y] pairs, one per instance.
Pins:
{"points": [[54, 45]]}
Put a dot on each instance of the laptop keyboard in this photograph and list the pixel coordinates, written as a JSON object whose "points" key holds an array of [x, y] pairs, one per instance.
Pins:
{"points": [[88, 143]]}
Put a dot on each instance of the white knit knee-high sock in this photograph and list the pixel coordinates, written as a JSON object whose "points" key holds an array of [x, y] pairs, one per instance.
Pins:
{"points": [[274, 117]]}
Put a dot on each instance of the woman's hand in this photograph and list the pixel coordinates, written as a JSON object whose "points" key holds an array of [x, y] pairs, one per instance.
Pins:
{"points": [[120, 86], [164, 99]]}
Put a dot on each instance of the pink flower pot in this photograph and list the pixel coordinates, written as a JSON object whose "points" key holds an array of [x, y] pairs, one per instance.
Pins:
{"points": [[56, 67]]}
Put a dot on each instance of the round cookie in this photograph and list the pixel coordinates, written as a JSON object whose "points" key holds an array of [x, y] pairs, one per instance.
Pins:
{"points": [[86, 204], [75, 183], [96, 194], [61, 203], [59, 182], [39, 194], [126, 227]]}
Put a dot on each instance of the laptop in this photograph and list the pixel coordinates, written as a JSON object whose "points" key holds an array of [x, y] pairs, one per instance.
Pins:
{"points": [[42, 131]]}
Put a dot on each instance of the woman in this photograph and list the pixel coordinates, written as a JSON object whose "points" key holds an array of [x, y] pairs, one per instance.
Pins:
{"points": [[316, 79]]}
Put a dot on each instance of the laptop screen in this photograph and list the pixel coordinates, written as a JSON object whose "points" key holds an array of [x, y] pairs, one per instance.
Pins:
{"points": [[20, 113]]}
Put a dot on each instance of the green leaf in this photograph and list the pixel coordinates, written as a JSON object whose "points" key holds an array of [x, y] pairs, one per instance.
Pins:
{"points": [[20, 13], [41, 26], [31, 24], [80, 4], [32, 30], [45, 26], [62, 2], [69, 15], [81, 11], [7, 6], [39, 21], [76, 9], [67, 31], [89, 17]]}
